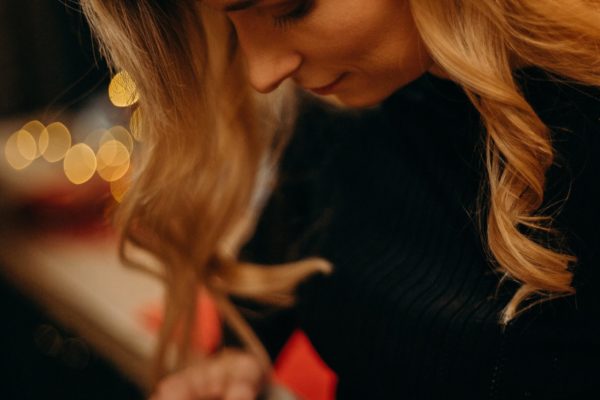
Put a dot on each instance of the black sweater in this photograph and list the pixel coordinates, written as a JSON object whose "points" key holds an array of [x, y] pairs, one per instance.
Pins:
{"points": [[388, 195]]}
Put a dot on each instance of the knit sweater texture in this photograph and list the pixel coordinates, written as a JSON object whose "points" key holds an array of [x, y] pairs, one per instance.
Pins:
{"points": [[389, 196]]}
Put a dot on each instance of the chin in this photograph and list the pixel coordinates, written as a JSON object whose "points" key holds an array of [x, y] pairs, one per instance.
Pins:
{"points": [[361, 100]]}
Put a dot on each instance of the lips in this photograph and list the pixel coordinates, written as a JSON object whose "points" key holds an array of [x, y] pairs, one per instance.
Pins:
{"points": [[329, 88]]}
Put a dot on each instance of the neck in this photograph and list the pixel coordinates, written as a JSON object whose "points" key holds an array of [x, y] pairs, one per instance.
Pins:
{"points": [[436, 70]]}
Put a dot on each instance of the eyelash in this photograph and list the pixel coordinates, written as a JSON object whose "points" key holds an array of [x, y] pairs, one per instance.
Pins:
{"points": [[297, 13]]}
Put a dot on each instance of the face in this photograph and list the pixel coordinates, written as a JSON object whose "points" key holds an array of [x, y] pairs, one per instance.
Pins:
{"points": [[357, 50]]}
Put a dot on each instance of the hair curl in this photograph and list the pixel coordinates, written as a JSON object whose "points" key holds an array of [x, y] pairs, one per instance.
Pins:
{"points": [[480, 44]]}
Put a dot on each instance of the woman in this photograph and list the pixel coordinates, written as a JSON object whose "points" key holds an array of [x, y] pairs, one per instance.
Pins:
{"points": [[473, 153]]}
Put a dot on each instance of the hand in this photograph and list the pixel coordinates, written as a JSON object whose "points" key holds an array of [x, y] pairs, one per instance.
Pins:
{"points": [[229, 375]]}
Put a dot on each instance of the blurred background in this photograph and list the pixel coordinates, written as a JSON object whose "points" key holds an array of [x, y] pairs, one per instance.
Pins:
{"points": [[71, 327]]}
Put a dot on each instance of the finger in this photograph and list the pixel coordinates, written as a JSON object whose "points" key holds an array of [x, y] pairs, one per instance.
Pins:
{"points": [[173, 388], [235, 372], [240, 391], [207, 380], [244, 367]]}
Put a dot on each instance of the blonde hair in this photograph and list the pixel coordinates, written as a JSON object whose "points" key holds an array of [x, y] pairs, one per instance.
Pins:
{"points": [[211, 151], [213, 146], [480, 44]]}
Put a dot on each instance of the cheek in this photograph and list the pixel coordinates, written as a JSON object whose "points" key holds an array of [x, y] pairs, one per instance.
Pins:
{"points": [[337, 32], [348, 33]]}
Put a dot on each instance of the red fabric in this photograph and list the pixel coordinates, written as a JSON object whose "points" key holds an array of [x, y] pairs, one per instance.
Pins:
{"points": [[298, 366], [208, 324]]}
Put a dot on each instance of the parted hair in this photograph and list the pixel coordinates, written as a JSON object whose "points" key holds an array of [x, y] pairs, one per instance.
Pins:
{"points": [[212, 145]]}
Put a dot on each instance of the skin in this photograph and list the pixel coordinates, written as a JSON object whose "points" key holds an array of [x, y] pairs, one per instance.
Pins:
{"points": [[376, 48], [229, 375]]}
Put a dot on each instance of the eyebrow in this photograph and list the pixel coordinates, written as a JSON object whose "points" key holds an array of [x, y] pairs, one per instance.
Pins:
{"points": [[240, 5]]}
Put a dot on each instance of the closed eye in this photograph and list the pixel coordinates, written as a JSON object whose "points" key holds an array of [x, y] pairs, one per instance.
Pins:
{"points": [[300, 9]]}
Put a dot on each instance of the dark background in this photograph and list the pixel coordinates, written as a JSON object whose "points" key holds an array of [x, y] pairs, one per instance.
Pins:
{"points": [[47, 60], [46, 56]]}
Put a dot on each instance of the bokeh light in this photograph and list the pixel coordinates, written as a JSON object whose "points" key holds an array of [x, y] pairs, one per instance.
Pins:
{"points": [[122, 90], [113, 160], [48, 339], [20, 149], [120, 134], [54, 142], [35, 128], [79, 163], [26, 145], [75, 353]]}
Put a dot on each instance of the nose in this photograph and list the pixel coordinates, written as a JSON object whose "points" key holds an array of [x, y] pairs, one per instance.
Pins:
{"points": [[266, 71], [270, 59]]}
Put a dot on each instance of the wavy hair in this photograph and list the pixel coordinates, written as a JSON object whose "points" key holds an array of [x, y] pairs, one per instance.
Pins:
{"points": [[213, 146], [479, 44]]}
